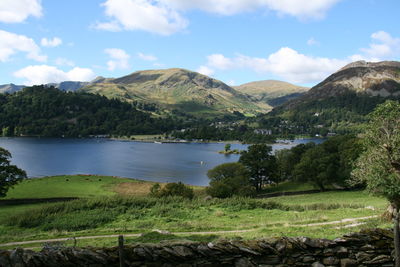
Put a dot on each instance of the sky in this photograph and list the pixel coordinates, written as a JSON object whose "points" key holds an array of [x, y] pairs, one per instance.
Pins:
{"points": [[236, 41]]}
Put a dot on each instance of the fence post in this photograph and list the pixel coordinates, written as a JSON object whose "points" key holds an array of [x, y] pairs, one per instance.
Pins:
{"points": [[121, 251]]}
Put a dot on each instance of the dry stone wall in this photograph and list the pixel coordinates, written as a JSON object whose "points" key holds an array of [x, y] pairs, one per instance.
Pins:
{"points": [[367, 248]]}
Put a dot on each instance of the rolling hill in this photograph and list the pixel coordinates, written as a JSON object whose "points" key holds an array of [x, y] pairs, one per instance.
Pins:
{"points": [[176, 89], [271, 92]]}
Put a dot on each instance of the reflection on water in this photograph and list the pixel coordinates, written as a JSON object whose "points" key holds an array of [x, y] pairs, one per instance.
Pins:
{"points": [[187, 162]]}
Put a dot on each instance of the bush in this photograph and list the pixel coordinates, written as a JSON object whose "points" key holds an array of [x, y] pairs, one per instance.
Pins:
{"points": [[172, 189], [229, 179]]}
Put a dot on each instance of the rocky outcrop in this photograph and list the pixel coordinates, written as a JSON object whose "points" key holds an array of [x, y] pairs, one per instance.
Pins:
{"points": [[376, 79], [367, 248]]}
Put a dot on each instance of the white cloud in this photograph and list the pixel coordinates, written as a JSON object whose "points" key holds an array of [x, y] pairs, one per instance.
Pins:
{"points": [[219, 61], [312, 42], [146, 15], [147, 57], [51, 42], [296, 8], [119, 59], [15, 11], [42, 74], [383, 47], [60, 61], [111, 26], [11, 43], [165, 16], [286, 63], [293, 66], [205, 70]]}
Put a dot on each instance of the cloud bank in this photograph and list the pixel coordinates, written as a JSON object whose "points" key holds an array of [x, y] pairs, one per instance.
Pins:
{"points": [[42, 74], [165, 17]]}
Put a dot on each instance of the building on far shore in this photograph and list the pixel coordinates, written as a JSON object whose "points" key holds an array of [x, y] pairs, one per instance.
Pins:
{"points": [[263, 131]]}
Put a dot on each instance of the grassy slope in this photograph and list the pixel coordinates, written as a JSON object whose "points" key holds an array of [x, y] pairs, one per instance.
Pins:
{"points": [[180, 89], [66, 186], [114, 215]]}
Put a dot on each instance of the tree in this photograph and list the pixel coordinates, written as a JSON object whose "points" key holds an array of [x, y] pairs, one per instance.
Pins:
{"points": [[10, 175], [317, 166], [379, 165], [288, 158], [229, 179], [261, 164], [329, 163], [227, 147]]}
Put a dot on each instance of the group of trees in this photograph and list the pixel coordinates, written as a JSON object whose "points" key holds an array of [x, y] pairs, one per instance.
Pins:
{"points": [[47, 111], [240, 133], [329, 163], [341, 114], [256, 167]]}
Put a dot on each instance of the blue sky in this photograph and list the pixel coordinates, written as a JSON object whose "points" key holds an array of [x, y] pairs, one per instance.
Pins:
{"points": [[236, 41]]}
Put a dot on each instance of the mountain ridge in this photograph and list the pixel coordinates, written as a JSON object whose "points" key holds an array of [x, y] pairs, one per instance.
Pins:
{"points": [[176, 88]]}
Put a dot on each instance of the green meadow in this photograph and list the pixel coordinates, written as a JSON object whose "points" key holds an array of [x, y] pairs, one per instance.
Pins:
{"points": [[109, 206]]}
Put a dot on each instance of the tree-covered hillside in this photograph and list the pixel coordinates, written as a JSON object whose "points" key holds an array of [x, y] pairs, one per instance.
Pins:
{"points": [[341, 114], [44, 111]]}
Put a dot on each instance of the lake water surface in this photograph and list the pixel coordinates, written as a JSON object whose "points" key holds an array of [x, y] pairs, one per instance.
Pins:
{"points": [[187, 162]]}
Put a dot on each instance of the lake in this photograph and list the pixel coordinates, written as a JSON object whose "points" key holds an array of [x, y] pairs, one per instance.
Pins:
{"points": [[186, 162]]}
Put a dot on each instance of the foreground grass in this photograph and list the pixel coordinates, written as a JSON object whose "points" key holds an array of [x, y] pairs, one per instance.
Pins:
{"points": [[264, 218], [110, 205]]}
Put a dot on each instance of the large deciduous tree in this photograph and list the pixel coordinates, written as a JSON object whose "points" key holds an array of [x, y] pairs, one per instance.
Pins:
{"points": [[9, 174], [379, 165], [261, 163], [229, 179]]}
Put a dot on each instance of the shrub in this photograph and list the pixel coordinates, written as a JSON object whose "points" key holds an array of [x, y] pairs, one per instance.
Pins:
{"points": [[172, 189]]}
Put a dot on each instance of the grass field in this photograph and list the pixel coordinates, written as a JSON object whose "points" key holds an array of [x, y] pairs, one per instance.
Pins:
{"points": [[123, 208], [67, 186]]}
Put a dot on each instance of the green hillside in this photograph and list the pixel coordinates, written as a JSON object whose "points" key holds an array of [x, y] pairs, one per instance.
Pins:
{"points": [[270, 93], [177, 89]]}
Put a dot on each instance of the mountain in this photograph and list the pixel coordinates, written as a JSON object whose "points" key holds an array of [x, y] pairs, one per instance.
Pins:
{"points": [[341, 101], [271, 93], [177, 89], [10, 88], [375, 79], [69, 86]]}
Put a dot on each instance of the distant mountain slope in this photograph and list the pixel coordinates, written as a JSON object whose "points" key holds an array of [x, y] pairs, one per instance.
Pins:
{"points": [[271, 92], [70, 86], [341, 101], [375, 79], [178, 89], [270, 88], [10, 88]]}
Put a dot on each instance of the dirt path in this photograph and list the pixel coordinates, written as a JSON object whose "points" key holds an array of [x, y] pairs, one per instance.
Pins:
{"points": [[348, 220], [352, 220]]}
